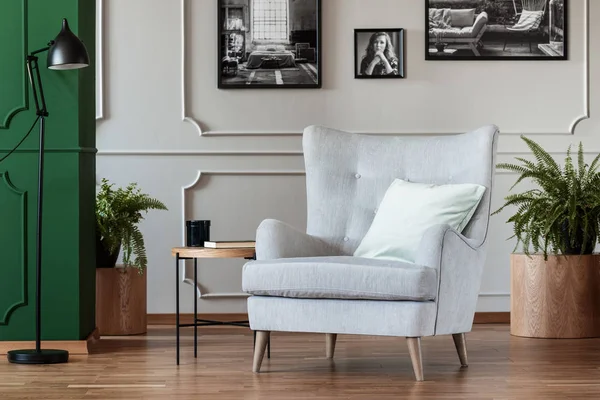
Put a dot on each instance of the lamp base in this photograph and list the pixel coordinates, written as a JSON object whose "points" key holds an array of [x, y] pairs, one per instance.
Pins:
{"points": [[44, 356]]}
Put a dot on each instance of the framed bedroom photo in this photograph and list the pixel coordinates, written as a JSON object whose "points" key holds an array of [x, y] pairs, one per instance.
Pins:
{"points": [[496, 30], [269, 44], [379, 53]]}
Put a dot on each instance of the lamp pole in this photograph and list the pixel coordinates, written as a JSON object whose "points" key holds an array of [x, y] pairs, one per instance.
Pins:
{"points": [[65, 52], [42, 113]]}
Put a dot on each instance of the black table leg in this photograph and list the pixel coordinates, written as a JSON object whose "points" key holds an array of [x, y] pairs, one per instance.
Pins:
{"points": [[195, 308], [177, 302]]}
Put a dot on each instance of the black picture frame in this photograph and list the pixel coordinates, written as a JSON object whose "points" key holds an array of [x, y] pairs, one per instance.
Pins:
{"points": [[363, 35], [429, 56], [306, 58]]}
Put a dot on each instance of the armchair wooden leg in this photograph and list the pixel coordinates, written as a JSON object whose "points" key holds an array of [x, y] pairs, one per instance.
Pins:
{"points": [[474, 48], [262, 338], [460, 341], [330, 339], [414, 348]]}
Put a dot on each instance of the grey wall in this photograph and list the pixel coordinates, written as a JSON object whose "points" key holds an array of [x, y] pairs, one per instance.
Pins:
{"points": [[257, 172]]}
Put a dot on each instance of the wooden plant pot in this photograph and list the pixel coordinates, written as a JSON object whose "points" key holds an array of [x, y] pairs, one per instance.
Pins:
{"points": [[120, 301], [558, 298]]}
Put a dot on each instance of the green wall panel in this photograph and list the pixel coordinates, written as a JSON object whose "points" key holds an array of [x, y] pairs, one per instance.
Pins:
{"points": [[68, 267], [86, 140], [13, 20], [13, 213], [87, 248]]}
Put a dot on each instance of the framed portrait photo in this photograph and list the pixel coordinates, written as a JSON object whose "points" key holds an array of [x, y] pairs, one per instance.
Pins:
{"points": [[274, 44], [379, 53], [496, 30]]}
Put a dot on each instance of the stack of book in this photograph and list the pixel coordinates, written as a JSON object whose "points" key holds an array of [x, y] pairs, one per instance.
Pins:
{"points": [[244, 244]]}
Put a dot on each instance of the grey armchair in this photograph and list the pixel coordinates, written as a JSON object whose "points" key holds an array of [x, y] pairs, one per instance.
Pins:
{"points": [[311, 282]]}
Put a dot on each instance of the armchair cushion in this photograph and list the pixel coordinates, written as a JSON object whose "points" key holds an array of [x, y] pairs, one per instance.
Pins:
{"points": [[440, 18], [529, 20], [340, 277], [409, 209], [462, 18], [460, 32]]}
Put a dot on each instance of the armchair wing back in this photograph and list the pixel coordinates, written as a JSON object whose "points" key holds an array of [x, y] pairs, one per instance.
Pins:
{"points": [[354, 171]]}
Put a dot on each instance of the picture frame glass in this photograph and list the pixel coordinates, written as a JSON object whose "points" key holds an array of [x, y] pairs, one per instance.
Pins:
{"points": [[496, 30], [379, 53], [269, 44]]}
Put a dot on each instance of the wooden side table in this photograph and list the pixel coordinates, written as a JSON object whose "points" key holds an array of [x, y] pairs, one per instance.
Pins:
{"points": [[194, 253]]}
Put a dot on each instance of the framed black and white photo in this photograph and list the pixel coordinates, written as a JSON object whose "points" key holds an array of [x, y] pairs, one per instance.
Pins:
{"points": [[269, 44], [379, 53], [496, 29]]}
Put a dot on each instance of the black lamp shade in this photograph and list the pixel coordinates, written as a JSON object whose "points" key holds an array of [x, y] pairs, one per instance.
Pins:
{"points": [[67, 51]]}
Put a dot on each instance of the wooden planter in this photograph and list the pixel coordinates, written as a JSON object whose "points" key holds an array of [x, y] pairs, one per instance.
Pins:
{"points": [[557, 298], [120, 301]]}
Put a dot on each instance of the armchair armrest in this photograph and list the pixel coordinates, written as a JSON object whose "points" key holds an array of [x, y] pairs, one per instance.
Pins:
{"points": [[276, 239], [459, 262], [479, 23]]}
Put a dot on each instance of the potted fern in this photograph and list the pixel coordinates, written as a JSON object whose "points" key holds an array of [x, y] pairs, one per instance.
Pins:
{"points": [[121, 290], [556, 279]]}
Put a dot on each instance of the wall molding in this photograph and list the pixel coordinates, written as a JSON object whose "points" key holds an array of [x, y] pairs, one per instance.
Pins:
{"points": [[494, 294], [190, 279], [25, 100], [196, 124], [218, 153], [502, 317], [184, 153], [99, 59], [184, 116], [498, 317], [170, 153], [23, 202], [586, 70]]}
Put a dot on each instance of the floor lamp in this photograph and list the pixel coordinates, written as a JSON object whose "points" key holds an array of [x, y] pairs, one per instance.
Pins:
{"points": [[66, 51]]}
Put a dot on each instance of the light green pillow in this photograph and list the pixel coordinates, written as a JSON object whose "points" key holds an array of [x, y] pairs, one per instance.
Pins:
{"points": [[409, 209]]}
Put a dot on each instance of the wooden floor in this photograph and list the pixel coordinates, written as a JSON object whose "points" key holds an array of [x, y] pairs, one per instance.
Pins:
{"points": [[143, 367]]}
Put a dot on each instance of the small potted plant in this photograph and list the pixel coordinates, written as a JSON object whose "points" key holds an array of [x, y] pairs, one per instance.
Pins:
{"points": [[554, 289], [121, 290]]}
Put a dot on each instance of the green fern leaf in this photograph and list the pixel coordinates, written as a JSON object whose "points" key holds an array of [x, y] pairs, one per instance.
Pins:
{"points": [[563, 211]]}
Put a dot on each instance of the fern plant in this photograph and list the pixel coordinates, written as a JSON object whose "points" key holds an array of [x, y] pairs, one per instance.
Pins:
{"points": [[561, 215], [118, 211]]}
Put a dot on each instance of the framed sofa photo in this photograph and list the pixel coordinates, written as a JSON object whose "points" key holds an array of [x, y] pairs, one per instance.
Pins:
{"points": [[269, 44], [379, 53], [496, 30]]}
